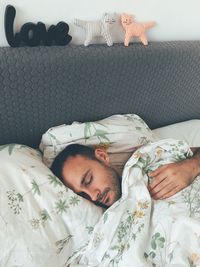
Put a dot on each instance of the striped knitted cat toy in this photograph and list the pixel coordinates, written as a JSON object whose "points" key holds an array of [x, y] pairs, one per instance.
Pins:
{"points": [[98, 28]]}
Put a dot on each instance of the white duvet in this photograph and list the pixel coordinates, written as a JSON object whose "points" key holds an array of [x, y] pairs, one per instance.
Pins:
{"points": [[137, 231], [44, 224]]}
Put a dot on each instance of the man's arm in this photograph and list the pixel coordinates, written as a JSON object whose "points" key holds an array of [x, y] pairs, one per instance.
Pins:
{"points": [[171, 178]]}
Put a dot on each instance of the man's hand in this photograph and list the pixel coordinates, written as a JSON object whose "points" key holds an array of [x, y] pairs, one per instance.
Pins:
{"points": [[171, 178]]}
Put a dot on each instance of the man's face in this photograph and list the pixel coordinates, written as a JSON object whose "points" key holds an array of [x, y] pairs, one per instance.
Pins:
{"points": [[93, 179]]}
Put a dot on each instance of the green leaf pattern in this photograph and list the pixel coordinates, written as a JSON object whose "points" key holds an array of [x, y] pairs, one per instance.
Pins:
{"points": [[60, 244], [94, 129], [14, 201], [35, 187], [141, 230], [146, 230], [191, 197], [54, 180], [37, 210], [117, 133]]}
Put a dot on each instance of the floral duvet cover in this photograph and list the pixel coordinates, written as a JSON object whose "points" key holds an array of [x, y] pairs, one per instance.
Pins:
{"points": [[138, 231]]}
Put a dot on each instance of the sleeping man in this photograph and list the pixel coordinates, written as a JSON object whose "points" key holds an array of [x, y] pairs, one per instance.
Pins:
{"points": [[88, 172]]}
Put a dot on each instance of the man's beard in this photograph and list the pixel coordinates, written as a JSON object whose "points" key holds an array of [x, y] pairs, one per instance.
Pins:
{"points": [[115, 187]]}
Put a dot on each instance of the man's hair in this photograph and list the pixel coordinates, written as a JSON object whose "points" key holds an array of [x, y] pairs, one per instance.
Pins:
{"points": [[70, 151]]}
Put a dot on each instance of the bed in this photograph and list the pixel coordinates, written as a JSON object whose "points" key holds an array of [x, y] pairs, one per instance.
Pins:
{"points": [[43, 87]]}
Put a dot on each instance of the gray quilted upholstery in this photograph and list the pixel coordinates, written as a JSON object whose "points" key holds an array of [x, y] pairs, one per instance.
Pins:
{"points": [[46, 86]]}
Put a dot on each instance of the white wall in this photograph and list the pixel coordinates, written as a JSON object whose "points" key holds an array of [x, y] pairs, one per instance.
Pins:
{"points": [[176, 19]]}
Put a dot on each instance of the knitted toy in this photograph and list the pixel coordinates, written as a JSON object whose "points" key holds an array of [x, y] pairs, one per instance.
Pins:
{"points": [[98, 28], [134, 29]]}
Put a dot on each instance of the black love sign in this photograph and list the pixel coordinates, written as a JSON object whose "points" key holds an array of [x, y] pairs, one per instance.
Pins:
{"points": [[32, 34]]}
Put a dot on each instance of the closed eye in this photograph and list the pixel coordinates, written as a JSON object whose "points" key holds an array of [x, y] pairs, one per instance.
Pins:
{"points": [[88, 180]]}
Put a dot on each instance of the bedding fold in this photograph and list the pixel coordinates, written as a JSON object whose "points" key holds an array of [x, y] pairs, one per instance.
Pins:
{"points": [[138, 231]]}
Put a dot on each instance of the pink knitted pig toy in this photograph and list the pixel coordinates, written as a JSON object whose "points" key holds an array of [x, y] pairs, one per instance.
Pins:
{"points": [[135, 29]]}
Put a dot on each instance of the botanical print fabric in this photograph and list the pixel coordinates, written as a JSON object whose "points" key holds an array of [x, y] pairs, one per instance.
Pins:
{"points": [[42, 223], [138, 231], [116, 134]]}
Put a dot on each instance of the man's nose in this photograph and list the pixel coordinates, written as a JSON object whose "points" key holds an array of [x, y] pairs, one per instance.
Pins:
{"points": [[94, 195]]}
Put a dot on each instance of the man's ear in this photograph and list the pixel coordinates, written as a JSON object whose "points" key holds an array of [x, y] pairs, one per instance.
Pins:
{"points": [[102, 155]]}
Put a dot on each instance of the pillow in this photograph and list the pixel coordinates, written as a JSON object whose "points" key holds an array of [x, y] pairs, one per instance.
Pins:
{"points": [[188, 131], [116, 134], [42, 222]]}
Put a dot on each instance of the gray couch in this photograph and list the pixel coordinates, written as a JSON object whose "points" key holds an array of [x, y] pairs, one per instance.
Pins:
{"points": [[42, 87]]}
